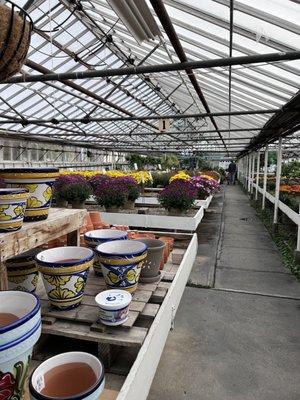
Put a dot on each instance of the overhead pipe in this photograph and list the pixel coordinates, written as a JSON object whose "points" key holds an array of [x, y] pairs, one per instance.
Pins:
{"points": [[151, 117], [157, 68]]}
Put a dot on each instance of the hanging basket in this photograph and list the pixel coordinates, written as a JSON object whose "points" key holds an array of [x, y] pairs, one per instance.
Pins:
{"points": [[15, 32]]}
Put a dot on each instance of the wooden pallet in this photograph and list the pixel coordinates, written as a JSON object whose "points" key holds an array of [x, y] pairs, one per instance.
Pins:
{"points": [[82, 322]]}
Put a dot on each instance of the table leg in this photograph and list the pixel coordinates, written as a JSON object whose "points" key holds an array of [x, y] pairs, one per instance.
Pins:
{"points": [[73, 238], [3, 277]]}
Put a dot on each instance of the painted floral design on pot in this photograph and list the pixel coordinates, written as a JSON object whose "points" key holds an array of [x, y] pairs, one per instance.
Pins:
{"points": [[39, 182], [99, 236], [122, 261], [65, 271], [12, 208], [22, 272]]}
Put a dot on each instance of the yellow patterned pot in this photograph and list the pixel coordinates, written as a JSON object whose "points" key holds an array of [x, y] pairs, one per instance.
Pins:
{"points": [[64, 271], [22, 271], [12, 208], [39, 182]]}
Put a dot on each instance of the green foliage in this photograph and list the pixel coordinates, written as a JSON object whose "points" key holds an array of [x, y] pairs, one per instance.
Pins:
{"points": [[169, 161], [272, 158], [161, 179], [291, 170]]}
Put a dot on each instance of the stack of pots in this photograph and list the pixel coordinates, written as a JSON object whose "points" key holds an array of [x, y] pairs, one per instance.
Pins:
{"points": [[12, 208], [20, 329], [22, 271], [99, 236], [39, 182]]}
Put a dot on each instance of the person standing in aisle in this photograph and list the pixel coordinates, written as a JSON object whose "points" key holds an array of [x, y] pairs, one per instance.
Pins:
{"points": [[232, 169]]}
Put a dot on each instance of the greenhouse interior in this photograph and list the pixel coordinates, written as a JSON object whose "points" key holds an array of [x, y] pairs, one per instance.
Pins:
{"points": [[149, 199]]}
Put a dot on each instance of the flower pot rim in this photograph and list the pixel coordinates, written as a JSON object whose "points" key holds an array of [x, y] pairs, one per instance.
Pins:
{"points": [[103, 234], [55, 264], [12, 191], [147, 241], [78, 396], [21, 339], [26, 317], [101, 249]]}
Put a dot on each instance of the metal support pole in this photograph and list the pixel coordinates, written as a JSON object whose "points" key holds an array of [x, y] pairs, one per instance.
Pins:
{"points": [[298, 236], [148, 69], [263, 204], [252, 172], [278, 176], [257, 174], [249, 172]]}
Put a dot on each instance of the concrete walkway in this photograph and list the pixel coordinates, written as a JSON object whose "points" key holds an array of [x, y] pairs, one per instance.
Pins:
{"points": [[238, 340]]}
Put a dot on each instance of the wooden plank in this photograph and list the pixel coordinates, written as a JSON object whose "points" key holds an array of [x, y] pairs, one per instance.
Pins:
{"points": [[121, 336], [33, 234], [99, 327], [164, 285], [159, 295], [150, 310]]}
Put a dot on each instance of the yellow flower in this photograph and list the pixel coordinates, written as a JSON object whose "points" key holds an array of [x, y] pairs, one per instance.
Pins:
{"points": [[114, 278], [131, 275], [3, 215], [79, 284], [56, 280], [33, 202], [59, 293], [47, 193], [19, 210], [180, 175]]}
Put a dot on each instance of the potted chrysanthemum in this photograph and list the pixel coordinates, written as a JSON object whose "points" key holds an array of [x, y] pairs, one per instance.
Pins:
{"points": [[73, 189], [178, 197]]}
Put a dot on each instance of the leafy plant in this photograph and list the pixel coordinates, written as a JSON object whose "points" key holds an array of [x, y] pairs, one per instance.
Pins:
{"points": [[111, 193], [204, 186], [180, 195], [72, 188], [132, 187]]}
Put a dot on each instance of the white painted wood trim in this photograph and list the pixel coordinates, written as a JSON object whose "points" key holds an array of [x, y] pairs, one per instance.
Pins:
{"points": [[278, 176], [147, 200], [257, 174], [154, 221], [139, 379], [265, 178]]}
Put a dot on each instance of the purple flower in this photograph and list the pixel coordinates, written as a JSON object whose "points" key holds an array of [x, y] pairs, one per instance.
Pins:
{"points": [[179, 194], [204, 186]]}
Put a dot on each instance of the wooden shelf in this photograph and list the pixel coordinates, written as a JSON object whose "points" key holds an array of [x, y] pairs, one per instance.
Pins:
{"points": [[61, 221]]}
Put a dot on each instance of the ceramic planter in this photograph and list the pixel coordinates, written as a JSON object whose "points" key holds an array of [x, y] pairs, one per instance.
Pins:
{"points": [[39, 182], [37, 379], [114, 306], [99, 236], [14, 363], [26, 307], [64, 271], [122, 261], [22, 271], [12, 208], [150, 272]]}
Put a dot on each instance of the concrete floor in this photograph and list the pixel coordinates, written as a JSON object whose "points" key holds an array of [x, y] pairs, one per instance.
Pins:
{"points": [[239, 339]]}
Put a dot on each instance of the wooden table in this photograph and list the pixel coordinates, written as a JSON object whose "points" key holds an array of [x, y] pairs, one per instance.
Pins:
{"points": [[61, 221]]}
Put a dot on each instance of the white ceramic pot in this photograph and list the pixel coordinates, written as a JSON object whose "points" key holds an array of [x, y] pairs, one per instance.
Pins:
{"points": [[22, 271], [37, 383], [39, 182], [99, 236], [12, 208], [122, 261], [24, 305], [114, 306], [14, 362], [64, 271]]}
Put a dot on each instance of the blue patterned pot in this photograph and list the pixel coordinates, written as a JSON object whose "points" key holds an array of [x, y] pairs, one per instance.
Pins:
{"points": [[12, 208], [99, 236], [64, 271], [36, 381], [122, 261], [39, 182], [114, 306]]}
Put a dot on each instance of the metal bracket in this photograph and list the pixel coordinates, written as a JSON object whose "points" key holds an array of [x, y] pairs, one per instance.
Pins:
{"points": [[173, 312]]}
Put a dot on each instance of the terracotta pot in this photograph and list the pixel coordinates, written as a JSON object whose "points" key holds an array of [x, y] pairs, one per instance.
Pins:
{"points": [[137, 235], [155, 248], [129, 205], [175, 212], [39, 182], [168, 239], [78, 205], [12, 209], [112, 209], [95, 217], [101, 225]]}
